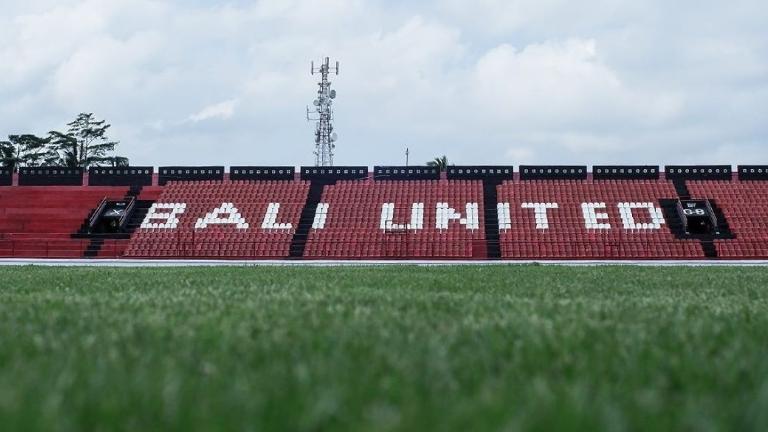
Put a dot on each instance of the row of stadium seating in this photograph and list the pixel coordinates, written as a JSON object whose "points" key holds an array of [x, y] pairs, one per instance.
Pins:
{"points": [[38, 221], [214, 219], [413, 225], [744, 204], [568, 233], [443, 219]]}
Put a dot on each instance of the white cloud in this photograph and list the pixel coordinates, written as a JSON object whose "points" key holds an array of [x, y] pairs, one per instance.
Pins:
{"points": [[221, 110], [557, 85], [487, 81], [520, 155]]}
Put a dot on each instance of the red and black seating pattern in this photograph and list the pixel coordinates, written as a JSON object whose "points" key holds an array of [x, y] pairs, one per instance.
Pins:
{"points": [[228, 219], [610, 219], [395, 219], [744, 204], [414, 218], [38, 221]]}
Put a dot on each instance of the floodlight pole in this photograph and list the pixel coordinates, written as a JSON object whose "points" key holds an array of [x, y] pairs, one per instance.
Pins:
{"points": [[322, 114]]}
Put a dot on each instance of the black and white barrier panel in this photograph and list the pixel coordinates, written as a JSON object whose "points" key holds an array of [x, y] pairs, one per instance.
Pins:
{"points": [[120, 176], [553, 172], [406, 173], [481, 172], [625, 172], [6, 176], [190, 173], [698, 172], [753, 172], [50, 176], [261, 172], [334, 173]]}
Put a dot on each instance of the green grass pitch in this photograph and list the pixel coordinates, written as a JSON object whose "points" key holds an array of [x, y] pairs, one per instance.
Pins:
{"points": [[395, 348]]}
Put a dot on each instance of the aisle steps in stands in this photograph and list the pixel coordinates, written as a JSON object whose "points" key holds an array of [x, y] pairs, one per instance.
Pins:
{"points": [[299, 241], [490, 206], [118, 242]]}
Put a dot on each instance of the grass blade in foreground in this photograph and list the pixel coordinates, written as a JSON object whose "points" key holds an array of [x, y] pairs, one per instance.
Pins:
{"points": [[470, 348]]}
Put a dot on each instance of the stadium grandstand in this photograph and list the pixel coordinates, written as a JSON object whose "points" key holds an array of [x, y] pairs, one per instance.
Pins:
{"points": [[388, 213]]}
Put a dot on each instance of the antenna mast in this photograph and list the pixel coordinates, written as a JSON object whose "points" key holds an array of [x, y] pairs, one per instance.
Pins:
{"points": [[322, 113]]}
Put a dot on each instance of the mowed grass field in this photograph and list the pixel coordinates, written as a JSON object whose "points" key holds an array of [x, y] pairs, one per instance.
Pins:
{"points": [[396, 348]]}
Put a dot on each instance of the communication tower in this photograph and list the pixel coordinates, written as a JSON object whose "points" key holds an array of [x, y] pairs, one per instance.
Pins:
{"points": [[322, 114]]}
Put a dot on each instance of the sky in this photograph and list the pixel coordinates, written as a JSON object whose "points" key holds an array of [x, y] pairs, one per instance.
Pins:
{"points": [[505, 82]]}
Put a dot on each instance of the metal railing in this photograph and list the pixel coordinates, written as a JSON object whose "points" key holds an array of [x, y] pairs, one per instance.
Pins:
{"points": [[404, 248], [96, 213], [393, 247], [56, 248], [127, 214]]}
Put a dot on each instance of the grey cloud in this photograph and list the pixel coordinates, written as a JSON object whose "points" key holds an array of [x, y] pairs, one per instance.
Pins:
{"points": [[485, 81]]}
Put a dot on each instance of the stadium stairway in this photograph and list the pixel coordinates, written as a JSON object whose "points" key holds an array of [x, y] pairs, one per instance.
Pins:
{"points": [[491, 213], [674, 223], [682, 189], [143, 203], [706, 241], [307, 219], [101, 245]]}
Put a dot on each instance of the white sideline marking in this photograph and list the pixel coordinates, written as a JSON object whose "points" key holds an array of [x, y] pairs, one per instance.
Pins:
{"points": [[364, 263]]}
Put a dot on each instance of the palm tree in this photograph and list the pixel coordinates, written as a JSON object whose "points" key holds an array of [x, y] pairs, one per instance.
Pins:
{"points": [[439, 162]]}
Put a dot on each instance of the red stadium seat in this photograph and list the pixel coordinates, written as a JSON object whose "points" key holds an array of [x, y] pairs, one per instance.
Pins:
{"points": [[578, 226], [353, 226], [231, 219], [743, 203], [38, 221], [416, 219]]}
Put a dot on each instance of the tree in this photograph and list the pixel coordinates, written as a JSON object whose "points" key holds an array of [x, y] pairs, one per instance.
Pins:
{"points": [[24, 150], [118, 161], [66, 148], [85, 144], [439, 162]]}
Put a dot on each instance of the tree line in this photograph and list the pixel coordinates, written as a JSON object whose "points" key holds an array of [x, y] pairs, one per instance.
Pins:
{"points": [[440, 162], [84, 144]]}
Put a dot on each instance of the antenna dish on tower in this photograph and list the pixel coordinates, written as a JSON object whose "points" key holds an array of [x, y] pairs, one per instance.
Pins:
{"points": [[323, 114]]}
